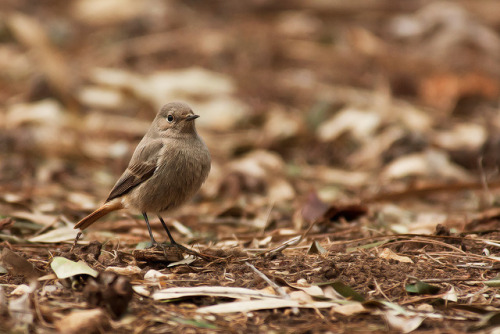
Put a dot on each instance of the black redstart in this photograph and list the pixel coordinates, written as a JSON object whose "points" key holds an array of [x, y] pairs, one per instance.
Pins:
{"points": [[167, 168]]}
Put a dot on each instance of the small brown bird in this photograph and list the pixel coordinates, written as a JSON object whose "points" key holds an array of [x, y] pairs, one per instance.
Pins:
{"points": [[167, 168]]}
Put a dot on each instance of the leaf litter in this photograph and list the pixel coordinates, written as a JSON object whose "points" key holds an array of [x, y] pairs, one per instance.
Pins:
{"points": [[355, 166]]}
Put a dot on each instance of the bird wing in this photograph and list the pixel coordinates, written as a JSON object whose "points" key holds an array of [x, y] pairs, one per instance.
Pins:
{"points": [[141, 167]]}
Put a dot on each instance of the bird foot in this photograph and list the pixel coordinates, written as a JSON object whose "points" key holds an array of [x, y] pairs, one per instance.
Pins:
{"points": [[184, 249]]}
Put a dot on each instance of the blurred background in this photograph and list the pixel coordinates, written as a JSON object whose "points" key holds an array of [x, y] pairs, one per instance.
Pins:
{"points": [[302, 103]]}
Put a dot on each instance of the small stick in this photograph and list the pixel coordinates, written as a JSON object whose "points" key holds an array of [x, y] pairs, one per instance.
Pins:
{"points": [[275, 286], [75, 242]]}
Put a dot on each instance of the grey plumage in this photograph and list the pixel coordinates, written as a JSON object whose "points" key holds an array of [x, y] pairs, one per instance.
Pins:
{"points": [[168, 167]]}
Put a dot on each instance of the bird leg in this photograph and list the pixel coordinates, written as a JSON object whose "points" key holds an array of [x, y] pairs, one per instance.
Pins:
{"points": [[181, 247], [153, 241]]}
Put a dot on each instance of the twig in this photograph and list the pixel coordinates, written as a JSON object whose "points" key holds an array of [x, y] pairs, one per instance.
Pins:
{"points": [[76, 241], [275, 286], [484, 182], [377, 286]]}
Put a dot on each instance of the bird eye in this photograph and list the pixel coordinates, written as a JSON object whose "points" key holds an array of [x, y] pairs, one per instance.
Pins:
{"points": [[170, 118]]}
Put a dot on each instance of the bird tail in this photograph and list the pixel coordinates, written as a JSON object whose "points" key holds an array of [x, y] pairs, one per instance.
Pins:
{"points": [[99, 213]]}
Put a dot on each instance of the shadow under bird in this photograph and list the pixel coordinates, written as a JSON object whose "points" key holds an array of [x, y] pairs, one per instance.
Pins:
{"points": [[168, 167]]}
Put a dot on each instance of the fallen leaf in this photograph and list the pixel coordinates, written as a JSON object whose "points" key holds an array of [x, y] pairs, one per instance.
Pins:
{"points": [[430, 163], [390, 255], [65, 268], [20, 310], [450, 295], [126, 271], [360, 123], [316, 248], [422, 288], [214, 291], [263, 304], [86, 321], [65, 233], [21, 290], [344, 290], [141, 290], [403, 324], [349, 309], [187, 260], [36, 217], [156, 276], [18, 265]]}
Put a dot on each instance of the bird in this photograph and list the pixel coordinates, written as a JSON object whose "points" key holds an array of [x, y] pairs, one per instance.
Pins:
{"points": [[167, 168]]}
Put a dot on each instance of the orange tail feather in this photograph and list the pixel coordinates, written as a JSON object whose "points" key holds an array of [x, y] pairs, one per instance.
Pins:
{"points": [[99, 213]]}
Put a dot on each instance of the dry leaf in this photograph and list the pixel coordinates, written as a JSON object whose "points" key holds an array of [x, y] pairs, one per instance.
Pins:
{"points": [[86, 321], [431, 163], [58, 235], [20, 310], [263, 304], [126, 271], [214, 291], [18, 265], [390, 255], [403, 324], [361, 124]]}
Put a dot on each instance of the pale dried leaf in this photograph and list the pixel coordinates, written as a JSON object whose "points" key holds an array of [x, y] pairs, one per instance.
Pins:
{"points": [[349, 309], [45, 112], [20, 310], [263, 304], [83, 321], [336, 176], [390, 255], [107, 12], [259, 164], [450, 295], [156, 276], [429, 163], [280, 190], [65, 268], [463, 136], [214, 291], [403, 324], [125, 271], [141, 290], [100, 97], [361, 124], [21, 290], [281, 125], [60, 234], [35, 217], [187, 260]]}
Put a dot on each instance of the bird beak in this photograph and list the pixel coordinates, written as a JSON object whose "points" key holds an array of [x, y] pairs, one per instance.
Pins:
{"points": [[192, 117]]}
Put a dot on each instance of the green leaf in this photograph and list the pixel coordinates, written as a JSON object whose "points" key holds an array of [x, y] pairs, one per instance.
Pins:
{"points": [[193, 322], [422, 288], [143, 245], [344, 290], [494, 282], [64, 268], [367, 246], [3, 270]]}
